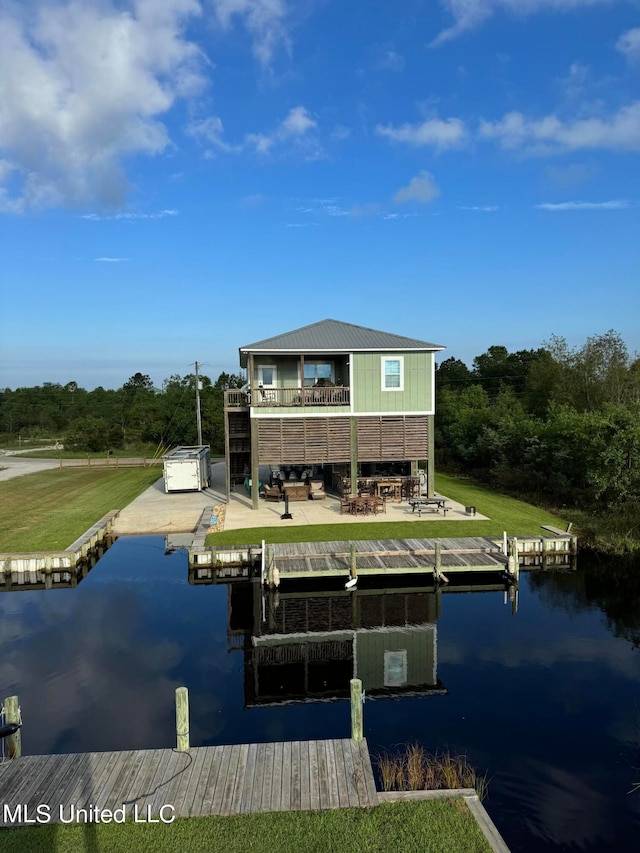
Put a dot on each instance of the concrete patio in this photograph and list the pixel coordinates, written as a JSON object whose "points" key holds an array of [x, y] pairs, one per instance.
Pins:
{"points": [[154, 511]]}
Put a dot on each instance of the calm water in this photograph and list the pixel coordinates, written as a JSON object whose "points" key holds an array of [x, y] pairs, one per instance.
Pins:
{"points": [[547, 700]]}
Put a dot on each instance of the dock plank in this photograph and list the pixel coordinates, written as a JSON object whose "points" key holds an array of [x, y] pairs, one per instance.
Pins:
{"points": [[281, 776], [249, 779], [314, 781], [296, 790], [236, 796], [267, 779]]}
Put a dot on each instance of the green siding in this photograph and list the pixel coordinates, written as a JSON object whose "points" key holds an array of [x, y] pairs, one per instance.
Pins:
{"points": [[287, 370], [367, 393]]}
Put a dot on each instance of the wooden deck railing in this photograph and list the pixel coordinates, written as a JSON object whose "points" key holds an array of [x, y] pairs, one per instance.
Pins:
{"points": [[337, 396]]}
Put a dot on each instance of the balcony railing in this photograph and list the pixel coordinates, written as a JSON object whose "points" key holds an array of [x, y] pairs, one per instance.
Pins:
{"points": [[335, 396]]}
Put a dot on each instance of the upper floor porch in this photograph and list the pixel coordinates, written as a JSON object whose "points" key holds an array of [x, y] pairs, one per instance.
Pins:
{"points": [[336, 383], [300, 397]]}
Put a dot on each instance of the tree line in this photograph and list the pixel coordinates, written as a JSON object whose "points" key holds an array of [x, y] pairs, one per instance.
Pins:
{"points": [[556, 424], [107, 419]]}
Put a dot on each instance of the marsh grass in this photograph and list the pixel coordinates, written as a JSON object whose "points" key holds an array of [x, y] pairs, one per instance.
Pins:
{"points": [[415, 769]]}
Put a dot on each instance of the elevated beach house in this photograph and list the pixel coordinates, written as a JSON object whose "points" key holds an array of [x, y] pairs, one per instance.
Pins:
{"points": [[342, 399]]}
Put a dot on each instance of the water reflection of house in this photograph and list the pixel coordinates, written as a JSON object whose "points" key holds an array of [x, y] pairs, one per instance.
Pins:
{"points": [[306, 646]]}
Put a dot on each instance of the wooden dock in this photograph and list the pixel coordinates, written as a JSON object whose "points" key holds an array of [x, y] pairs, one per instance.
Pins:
{"points": [[296, 560], [207, 780]]}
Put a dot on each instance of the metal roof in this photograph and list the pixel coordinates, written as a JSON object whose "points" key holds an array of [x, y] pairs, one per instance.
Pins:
{"points": [[335, 336]]}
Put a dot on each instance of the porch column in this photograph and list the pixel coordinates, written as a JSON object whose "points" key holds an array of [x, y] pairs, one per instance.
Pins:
{"points": [[227, 454], [255, 489], [302, 380], [430, 454], [354, 455]]}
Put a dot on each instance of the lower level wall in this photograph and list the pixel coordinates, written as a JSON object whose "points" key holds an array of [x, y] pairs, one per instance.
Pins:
{"points": [[315, 441]]}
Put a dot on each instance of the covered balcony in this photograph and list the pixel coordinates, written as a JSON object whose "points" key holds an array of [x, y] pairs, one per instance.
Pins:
{"points": [[322, 393]]}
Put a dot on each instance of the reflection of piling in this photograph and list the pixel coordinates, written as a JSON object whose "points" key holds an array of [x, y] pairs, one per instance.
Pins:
{"points": [[12, 715], [356, 709], [513, 560], [182, 719]]}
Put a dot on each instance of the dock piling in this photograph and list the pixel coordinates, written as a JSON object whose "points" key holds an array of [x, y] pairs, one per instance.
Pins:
{"points": [[12, 715], [182, 719], [353, 569], [356, 709]]}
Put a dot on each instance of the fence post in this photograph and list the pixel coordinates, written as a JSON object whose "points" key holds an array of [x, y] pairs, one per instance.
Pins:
{"points": [[356, 709], [182, 719], [12, 715]]}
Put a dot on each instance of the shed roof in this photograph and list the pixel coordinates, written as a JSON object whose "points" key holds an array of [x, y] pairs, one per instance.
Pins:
{"points": [[335, 336]]}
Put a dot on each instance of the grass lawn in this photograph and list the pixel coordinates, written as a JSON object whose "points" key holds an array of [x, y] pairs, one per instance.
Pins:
{"points": [[505, 513], [49, 510], [428, 826]]}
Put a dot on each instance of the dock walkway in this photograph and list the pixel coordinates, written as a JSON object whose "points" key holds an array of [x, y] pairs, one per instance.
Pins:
{"points": [[207, 780]]}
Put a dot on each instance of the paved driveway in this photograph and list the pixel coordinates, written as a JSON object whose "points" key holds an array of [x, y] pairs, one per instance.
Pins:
{"points": [[17, 466]]}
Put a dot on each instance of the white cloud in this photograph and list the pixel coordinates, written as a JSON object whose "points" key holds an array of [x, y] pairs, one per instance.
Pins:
{"points": [[551, 135], [629, 44], [440, 133], [107, 260], [210, 130], [296, 128], [468, 14], [161, 214], [82, 84], [482, 208], [391, 60], [340, 132], [616, 204], [421, 189], [264, 19]]}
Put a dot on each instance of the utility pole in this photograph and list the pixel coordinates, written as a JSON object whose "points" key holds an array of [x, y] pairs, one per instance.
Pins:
{"points": [[198, 416]]}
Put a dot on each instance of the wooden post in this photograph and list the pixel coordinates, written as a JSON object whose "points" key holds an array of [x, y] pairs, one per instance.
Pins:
{"points": [[356, 709], [353, 569], [182, 719], [270, 565], [255, 470], [438, 556], [431, 486], [353, 459], [12, 715]]}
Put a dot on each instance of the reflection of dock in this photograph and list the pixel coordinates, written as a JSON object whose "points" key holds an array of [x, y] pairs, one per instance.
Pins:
{"points": [[303, 646]]}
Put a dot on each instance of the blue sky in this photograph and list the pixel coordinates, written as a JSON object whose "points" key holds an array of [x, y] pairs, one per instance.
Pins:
{"points": [[182, 177]]}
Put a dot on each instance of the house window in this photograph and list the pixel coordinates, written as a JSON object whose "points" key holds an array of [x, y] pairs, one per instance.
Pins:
{"points": [[393, 374], [314, 370]]}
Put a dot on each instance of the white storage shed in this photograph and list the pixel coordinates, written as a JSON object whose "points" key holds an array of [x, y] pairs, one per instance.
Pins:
{"points": [[186, 469]]}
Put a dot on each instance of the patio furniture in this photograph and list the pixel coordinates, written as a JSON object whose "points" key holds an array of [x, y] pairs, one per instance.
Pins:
{"points": [[345, 503], [437, 503], [273, 493], [390, 489], [316, 490], [296, 491]]}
